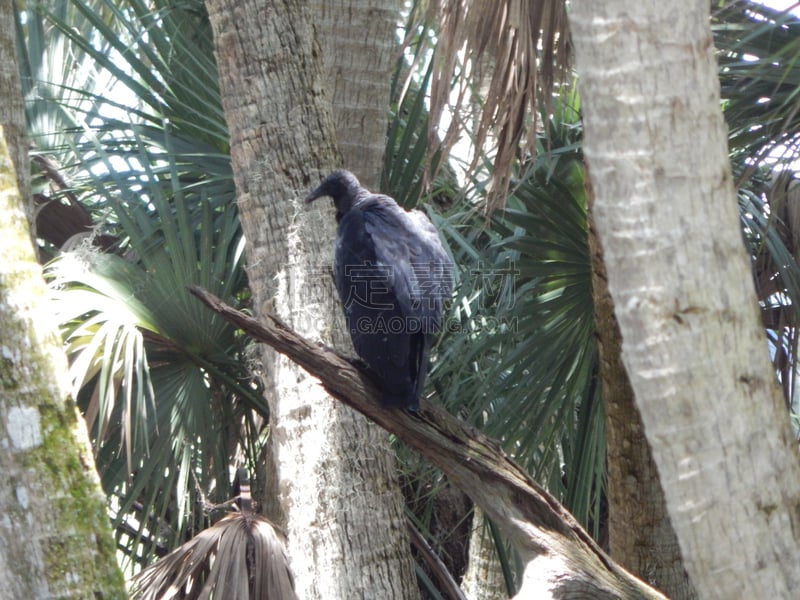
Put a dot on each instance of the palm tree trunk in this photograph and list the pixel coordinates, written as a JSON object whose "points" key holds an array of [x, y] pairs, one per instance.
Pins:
{"points": [[666, 217], [640, 534], [55, 539], [359, 51], [483, 579], [12, 112], [334, 478]]}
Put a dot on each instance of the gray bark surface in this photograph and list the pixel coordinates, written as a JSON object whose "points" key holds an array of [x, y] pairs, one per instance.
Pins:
{"points": [[483, 579], [359, 50], [334, 486], [640, 533], [12, 110], [666, 215], [55, 537]]}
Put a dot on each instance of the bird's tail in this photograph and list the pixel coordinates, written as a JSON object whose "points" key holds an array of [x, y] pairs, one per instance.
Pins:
{"points": [[392, 399], [422, 371], [403, 390]]}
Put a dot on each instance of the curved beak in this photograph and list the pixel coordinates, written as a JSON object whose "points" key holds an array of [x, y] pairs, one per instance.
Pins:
{"points": [[318, 192]]}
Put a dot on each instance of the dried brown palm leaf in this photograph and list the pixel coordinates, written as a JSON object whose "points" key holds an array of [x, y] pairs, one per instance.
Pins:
{"points": [[514, 51], [241, 557]]}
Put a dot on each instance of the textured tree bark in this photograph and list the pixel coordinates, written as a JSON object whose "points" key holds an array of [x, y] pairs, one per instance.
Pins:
{"points": [[484, 577], [359, 51], [666, 217], [12, 111], [334, 473], [640, 534], [55, 537], [561, 560]]}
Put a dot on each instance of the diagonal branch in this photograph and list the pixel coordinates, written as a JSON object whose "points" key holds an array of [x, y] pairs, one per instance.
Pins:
{"points": [[562, 558]]}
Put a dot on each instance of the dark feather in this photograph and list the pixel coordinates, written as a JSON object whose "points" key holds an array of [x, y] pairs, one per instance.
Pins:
{"points": [[393, 276]]}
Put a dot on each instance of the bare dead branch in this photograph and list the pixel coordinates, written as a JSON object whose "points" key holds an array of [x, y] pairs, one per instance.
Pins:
{"points": [[515, 53], [562, 558]]}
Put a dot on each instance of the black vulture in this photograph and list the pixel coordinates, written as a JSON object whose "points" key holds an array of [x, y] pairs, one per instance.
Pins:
{"points": [[392, 275]]}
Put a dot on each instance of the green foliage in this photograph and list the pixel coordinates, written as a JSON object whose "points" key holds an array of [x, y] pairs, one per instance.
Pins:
{"points": [[518, 356], [759, 54], [164, 383], [404, 163], [759, 60]]}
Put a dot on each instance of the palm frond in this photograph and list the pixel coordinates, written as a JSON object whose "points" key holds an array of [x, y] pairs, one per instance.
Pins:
{"points": [[157, 374], [506, 57], [241, 557], [164, 382], [759, 58], [406, 158], [759, 66], [517, 353], [158, 60], [518, 357], [162, 54]]}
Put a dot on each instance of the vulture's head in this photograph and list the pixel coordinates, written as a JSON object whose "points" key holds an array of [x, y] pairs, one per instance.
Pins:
{"points": [[340, 185]]}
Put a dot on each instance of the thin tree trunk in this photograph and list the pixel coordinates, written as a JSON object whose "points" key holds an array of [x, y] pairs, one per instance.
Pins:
{"points": [[640, 534], [334, 477], [666, 217], [359, 50], [484, 577], [12, 110]]}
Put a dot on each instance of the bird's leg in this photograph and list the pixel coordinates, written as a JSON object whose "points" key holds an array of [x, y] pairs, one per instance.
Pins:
{"points": [[357, 362], [364, 368]]}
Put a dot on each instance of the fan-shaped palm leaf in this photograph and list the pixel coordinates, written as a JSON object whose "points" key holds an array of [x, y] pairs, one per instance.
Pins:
{"points": [[241, 557], [759, 58], [519, 358], [759, 55], [159, 376], [163, 381]]}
